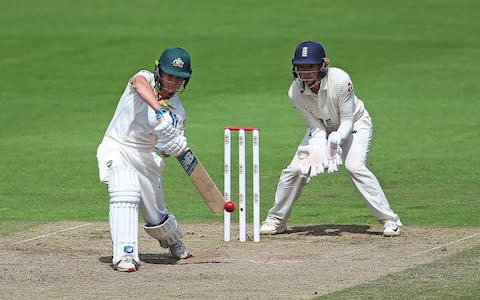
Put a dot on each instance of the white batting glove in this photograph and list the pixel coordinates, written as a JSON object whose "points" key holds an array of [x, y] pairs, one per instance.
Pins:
{"points": [[334, 152], [169, 127], [166, 132], [174, 147], [318, 156]]}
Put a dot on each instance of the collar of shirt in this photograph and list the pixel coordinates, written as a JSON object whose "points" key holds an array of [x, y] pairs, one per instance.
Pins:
{"points": [[173, 102]]}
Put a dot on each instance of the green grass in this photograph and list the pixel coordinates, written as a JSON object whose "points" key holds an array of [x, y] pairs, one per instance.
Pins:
{"points": [[454, 277], [64, 65]]}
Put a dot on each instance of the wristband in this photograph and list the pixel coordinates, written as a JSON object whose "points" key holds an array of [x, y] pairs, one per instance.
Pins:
{"points": [[159, 113]]}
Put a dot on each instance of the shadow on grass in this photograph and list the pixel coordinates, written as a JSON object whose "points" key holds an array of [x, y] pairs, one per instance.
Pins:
{"points": [[332, 230]]}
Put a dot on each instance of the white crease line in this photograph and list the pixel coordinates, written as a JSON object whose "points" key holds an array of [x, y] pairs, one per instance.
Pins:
{"points": [[439, 247], [49, 234]]}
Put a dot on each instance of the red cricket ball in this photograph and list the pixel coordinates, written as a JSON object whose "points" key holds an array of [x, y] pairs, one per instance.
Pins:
{"points": [[229, 206]]}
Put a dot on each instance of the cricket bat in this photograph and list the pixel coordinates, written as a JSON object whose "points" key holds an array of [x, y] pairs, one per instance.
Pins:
{"points": [[202, 181]]}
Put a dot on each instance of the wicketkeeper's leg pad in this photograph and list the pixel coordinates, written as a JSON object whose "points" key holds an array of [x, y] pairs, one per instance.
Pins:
{"points": [[167, 233], [124, 190]]}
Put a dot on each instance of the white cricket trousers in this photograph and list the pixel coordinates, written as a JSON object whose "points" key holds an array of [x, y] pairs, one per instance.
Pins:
{"points": [[148, 166], [355, 149]]}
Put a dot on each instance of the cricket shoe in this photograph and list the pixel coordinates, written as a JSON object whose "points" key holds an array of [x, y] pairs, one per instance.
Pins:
{"points": [[392, 228], [126, 264], [273, 226], [178, 250]]}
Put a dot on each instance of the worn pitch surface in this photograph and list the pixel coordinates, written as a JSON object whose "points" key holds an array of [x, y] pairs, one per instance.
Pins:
{"points": [[72, 260]]}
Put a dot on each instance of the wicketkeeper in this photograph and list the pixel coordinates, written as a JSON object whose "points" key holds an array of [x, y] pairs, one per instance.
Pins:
{"points": [[149, 115], [339, 132]]}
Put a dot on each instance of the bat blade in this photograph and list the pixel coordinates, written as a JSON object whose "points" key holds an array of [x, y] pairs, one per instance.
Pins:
{"points": [[202, 181]]}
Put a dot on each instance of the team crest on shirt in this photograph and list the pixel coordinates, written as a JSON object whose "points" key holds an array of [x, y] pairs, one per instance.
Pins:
{"points": [[349, 87], [177, 63], [109, 163]]}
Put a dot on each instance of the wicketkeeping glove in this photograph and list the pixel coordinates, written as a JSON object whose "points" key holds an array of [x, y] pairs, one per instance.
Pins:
{"points": [[318, 156], [334, 152], [302, 155]]}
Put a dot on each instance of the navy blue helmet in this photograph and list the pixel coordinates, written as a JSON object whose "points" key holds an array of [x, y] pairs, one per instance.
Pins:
{"points": [[310, 53]]}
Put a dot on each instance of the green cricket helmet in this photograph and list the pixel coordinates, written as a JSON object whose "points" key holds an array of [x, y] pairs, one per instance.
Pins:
{"points": [[175, 62]]}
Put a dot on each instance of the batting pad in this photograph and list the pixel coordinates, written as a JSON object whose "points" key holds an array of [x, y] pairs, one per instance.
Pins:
{"points": [[124, 190], [167, 233]]}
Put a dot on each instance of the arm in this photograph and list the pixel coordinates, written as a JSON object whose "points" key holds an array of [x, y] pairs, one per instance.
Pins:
{"points": [[316, 150], [346, 106], [170, 125], [144, 90]]}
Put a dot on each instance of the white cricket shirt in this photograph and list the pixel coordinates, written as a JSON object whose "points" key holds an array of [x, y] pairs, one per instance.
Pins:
{"points": [[334, 108], [134, 120]]}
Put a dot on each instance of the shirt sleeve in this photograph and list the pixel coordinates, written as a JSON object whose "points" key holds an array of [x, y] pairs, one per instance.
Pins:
{"points": [[346, 105], [148, 76]]}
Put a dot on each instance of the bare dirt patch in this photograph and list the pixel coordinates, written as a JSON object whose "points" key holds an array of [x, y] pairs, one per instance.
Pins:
{"points": [[72, 260]]}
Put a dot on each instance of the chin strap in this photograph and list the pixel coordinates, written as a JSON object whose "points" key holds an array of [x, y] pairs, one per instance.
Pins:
{"points": [[156, 91], [317, 82]]}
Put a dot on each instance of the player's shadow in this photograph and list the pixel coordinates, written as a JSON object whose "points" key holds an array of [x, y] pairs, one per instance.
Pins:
{"points": [[158, 259], [150, 258], [332, 230]]}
